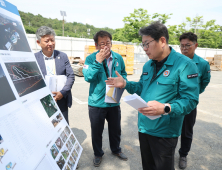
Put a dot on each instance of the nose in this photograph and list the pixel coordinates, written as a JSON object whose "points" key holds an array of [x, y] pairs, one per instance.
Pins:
{"points": [[50, 42]]}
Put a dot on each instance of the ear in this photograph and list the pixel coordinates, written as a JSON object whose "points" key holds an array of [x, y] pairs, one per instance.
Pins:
{"points": [[38, 42], [163, 41], [96, 45], [196, 45]]}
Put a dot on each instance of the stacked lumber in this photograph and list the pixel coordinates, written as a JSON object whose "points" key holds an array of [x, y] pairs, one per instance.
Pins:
{"points": [[215, 62], [127, 52], [218, 60], [89, 49]]}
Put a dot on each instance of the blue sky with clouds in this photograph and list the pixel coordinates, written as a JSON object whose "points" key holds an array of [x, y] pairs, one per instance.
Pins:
{"points": [[110, 13]]}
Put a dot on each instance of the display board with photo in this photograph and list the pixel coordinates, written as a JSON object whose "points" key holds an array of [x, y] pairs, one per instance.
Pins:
{"points": [[34, 134]]}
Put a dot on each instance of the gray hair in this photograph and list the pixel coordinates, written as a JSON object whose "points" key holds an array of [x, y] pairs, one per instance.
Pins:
{"points": [[156, 30], [44, 30]]}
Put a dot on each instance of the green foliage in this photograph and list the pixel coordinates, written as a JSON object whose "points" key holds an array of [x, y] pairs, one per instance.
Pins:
{"points": [[209, 35], [33, 22], [140, 18]]}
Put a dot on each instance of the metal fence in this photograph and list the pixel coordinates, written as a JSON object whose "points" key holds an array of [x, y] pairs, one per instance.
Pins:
{"points": [[75, 47]]}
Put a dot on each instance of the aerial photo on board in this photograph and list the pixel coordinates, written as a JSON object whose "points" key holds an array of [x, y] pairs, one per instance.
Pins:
{"points": [[26, 77], [5, 89], [12, 35]]}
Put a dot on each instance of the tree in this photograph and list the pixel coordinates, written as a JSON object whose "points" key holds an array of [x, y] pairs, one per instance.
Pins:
{"points": [[133, 23], [161, 17]]}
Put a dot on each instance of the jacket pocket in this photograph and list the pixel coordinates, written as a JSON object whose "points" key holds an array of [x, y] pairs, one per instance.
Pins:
{"points": [[166, 85]]}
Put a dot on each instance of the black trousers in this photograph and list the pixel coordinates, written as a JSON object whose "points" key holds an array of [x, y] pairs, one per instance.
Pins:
{"points": [[157, 153], [65, 114], [97, 118], [187, 133]]}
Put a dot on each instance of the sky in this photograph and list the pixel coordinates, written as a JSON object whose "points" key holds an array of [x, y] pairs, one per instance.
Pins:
{"points": [[110, 13]]}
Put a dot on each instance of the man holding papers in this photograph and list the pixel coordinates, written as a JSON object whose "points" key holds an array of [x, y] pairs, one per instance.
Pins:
{"points": [[52, 63], [98, 67], [169, 85]]}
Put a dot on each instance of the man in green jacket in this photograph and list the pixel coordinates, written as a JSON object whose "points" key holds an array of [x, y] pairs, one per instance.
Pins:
{"points": [[188, 45], [169, 86], [98, 67]]}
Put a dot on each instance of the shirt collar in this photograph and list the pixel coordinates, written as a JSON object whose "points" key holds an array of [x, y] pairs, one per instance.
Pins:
{"points": [[110, 57], [48, 58], [195, 58]]}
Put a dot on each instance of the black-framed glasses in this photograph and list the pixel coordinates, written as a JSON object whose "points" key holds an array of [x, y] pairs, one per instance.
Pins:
{"points": [[145, 44], [103, 45], [186, 46]]}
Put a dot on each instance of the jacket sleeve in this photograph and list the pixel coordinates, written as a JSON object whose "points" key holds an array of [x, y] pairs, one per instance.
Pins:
{"points": [[188, 91], [135, 87], [123, 71], [91, 68], [205, 79], [70, 77]]}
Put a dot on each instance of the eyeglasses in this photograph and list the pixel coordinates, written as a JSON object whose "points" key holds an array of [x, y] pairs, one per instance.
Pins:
{"points": [[186, 46], [146, 44], [103, 45]]}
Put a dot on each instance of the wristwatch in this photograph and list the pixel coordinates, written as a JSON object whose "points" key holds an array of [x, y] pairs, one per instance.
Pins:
{"points": [[166, 109]]}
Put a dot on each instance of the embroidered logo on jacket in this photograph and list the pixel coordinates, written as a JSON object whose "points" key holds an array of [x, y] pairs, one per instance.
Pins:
{"points": [[166, 73]]}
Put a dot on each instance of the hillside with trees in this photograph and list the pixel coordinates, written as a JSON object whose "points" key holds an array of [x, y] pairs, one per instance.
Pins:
{"points": [[33, 22], [209, 33]]}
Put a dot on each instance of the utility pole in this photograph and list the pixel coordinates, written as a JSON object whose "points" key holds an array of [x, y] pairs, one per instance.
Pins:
{"points": [[63, 13], [88, 32]]}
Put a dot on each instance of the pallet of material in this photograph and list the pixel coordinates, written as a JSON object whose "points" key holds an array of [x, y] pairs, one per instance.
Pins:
{"points": [[77, 69]]}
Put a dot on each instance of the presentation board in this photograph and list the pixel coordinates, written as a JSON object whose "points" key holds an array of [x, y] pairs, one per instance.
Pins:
{"points": [[34, 135]]}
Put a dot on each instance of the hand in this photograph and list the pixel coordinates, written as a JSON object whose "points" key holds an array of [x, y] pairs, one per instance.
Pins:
{"points": [[117, 81], [102, 54], [58, 95], [155, 108]]}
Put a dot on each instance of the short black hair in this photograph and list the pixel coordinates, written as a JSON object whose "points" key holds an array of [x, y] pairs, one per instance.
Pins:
{"points": [[189, 35], [101, 34], [156, 30]]}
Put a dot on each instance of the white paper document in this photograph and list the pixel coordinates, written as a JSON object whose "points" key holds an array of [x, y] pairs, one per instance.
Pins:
{"points": [[137, 102], [55, 82]]}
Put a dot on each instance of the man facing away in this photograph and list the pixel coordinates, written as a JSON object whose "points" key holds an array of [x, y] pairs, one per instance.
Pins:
{"points": [[169, 86], [188, 45], [53, 62], [98, 67]]}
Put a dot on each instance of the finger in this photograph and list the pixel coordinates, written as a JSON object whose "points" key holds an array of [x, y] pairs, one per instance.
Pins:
{"points": [[53, 92], [111, 78], [108, 82]]}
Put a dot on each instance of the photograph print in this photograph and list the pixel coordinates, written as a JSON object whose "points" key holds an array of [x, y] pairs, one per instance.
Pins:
{"points": [[65, 152], [61, 162], [12, 35], [54, 151], [59, 143], [1, 139], [49, 105], [5, 89], [25, 76], [63, 136]]}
